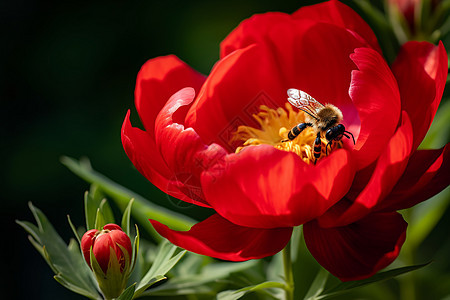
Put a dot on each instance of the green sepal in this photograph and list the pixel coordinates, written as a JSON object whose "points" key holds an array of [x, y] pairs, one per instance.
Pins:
{"points": [[104, 215], [107, 212], [126, 218], [126, 268], [135, 250], [94, 264], [125, 224], [99, 220], [114, 281], [74, 230], [92, 200]]}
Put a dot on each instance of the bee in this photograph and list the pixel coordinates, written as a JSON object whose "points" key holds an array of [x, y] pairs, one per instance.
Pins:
{"points": [[324, 119]]}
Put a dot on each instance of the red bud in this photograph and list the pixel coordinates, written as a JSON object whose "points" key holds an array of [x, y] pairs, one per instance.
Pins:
{"points": [[101, 241]]}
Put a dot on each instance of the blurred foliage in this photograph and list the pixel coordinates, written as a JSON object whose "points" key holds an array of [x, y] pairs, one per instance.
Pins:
{"points": [[67, 75]]}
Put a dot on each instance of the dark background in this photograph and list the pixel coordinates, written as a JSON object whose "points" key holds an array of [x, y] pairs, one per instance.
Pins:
{"points": [[67, 75]]}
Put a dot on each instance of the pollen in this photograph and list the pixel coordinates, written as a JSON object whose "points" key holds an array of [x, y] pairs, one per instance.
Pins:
{"points": [[275, 125]]}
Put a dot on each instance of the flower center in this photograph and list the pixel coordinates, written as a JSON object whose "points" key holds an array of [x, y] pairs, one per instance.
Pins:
{"points": [[275, 125]]}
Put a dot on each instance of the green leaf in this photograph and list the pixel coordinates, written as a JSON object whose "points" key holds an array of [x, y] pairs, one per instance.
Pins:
{"points": [[349, 285], [318, 285], [192, 264], [128, 293], [66, 262], [232, 295], [163, 263], [425, 216], [149, 283], [439, 132], [275, 270], [142, 209], [64, 281], [186, 283]]}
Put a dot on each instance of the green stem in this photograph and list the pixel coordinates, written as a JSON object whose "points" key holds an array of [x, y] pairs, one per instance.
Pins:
{"points": [[288, 276]]}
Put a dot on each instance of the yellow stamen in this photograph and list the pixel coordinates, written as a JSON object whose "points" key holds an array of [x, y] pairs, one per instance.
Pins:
{"points": [[275, 125]]}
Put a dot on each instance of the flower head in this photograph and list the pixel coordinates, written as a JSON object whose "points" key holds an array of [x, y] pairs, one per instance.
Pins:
{"points": [[219, 141], [108, 253]]}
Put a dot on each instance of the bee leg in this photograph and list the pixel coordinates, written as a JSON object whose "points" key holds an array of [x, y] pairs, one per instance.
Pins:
{"points": [[317, 147], [349, 137], [326, 148]]}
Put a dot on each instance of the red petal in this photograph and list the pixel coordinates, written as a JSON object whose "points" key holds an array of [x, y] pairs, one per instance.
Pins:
{"points": [[263, 187], [101, 251], [389, 168], [141, 149], [112, 226], [86, 243], [251, 31], [146, 156], [375, 94], [358, 250], [426, 175], [259, 28], [339, 14], [219, 238], [182, 149], [421, 72], [158, 79]]}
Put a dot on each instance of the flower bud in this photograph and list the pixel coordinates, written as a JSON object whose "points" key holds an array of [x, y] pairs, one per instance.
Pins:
{"points": [[418, 20], [108, 253]]}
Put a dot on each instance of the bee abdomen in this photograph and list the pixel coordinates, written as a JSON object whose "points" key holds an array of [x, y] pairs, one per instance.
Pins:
{"points": [[294, 132]]}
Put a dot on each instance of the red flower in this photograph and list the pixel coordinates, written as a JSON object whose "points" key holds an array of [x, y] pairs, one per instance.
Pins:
{"points": [[195, 127], [111, 237]]}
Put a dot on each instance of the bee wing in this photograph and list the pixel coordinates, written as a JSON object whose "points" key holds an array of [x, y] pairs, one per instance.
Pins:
{"points": [[305, 102]]}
